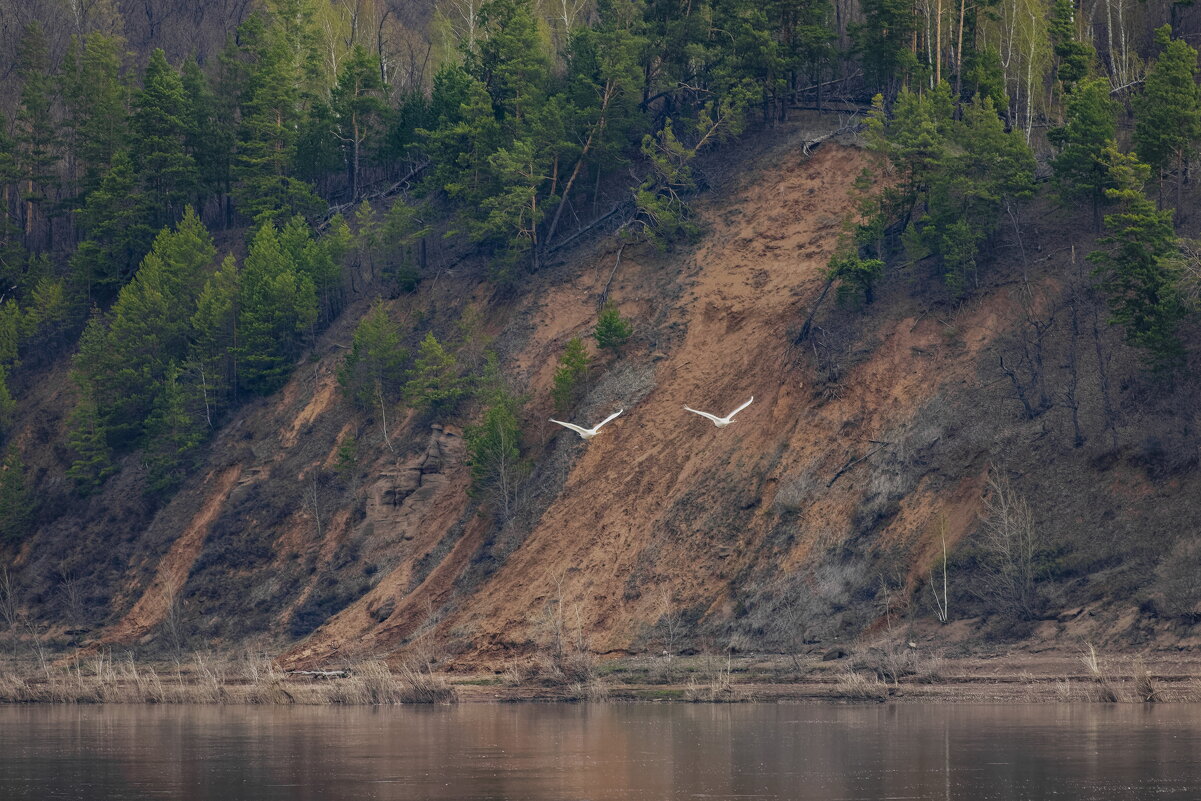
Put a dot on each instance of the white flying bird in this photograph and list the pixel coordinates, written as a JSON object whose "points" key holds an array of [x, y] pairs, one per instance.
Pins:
{"points": [[722, 422], [587, 433]]}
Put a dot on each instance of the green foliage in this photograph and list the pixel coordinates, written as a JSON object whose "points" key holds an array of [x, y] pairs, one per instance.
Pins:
{"points": [[359, 109], [213, 352], [8, 406], [115, 222], [1080, 169], [348, 457], [1136, 268], [856, 276], [281, 60], [277, 305], [957, 178], [16, 499], [96, 98], [571, 375], [1075, 58], [882, 42], [1168, 111], [494, 453], [37, 131], [612, 330], [434, 384], [160, 126], [173, 434], [93, 462], [373, 371]]}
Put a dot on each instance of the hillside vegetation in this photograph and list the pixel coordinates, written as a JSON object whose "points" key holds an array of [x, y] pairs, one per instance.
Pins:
{"points": [[286, 318]]}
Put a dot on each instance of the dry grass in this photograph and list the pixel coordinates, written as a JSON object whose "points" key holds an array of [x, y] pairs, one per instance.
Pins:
{"points": [[206, 679], [860, 687], [1103, 689], [1145, 690], [719, 686]]}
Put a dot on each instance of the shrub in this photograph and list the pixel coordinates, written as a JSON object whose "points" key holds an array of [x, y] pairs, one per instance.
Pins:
{"points": [[571, 375], [612, 330]]}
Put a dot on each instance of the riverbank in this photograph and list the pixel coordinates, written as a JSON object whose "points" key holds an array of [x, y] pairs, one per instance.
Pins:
{"points": [[872, 675]]}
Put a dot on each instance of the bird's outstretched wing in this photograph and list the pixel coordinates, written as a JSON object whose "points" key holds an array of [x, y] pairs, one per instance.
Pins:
{"points": [[712, 417], [607, 419], [740, 408], [572, 426]]}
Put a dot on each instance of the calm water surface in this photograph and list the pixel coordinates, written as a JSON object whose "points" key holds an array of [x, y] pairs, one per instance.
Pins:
{"points": [[598, 752]]}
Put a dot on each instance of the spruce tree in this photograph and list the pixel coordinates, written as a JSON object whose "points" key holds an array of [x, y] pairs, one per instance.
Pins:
{"points": [[93, 462], [1074, 58], [215, 337], [208, 132], [1167, 121], [272, 115], [494, 454]]}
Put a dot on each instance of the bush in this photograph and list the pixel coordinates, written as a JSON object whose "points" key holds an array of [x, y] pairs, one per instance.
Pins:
{"points": [[612, 330], [571, 375]]}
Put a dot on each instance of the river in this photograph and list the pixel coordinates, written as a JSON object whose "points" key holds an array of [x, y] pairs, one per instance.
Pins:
{"points": [[598, 752]]}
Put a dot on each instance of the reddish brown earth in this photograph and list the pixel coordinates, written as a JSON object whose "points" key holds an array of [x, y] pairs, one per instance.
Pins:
{"points": [[817, 518]]}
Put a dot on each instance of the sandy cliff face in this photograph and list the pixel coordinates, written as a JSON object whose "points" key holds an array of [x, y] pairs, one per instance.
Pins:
{"points": [[818, 514]]}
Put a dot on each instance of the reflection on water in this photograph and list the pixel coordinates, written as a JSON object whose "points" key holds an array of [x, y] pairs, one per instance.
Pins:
{"points": [[566, 752]]}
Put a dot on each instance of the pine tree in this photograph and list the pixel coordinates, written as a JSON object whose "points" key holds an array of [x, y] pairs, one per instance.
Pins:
{"points": [[316, 260], [114, 221], [86, 436], [173, 434], [215, 337], [570, 376], [36, 131], [16, 500], [434, 383], [160, 117], [1080, 171], [126, 363], [360, 110], [1136, 270], [13, 256], [1168, 111], [612, 330], [1074, 57], [8, 406], [494, 454], [208, 132], [272, 114], [373, 371], [856, 276], [97, 99], [277, 304]]}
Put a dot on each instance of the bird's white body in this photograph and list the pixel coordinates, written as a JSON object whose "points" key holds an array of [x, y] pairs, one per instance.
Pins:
{"points": [[587, 433], [722, 422]]}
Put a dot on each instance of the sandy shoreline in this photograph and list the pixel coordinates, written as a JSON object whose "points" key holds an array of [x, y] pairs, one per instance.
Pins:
{"points": [[867, 676]]}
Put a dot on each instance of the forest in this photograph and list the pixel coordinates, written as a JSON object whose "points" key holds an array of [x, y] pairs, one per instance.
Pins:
{"points": [[187, 202]]}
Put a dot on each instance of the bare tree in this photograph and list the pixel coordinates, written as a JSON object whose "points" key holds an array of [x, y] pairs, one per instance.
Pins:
{"points": [[1009, 551]]}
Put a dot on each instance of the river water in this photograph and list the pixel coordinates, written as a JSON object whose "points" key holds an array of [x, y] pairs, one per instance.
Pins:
{"points": [[598, 752]]}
